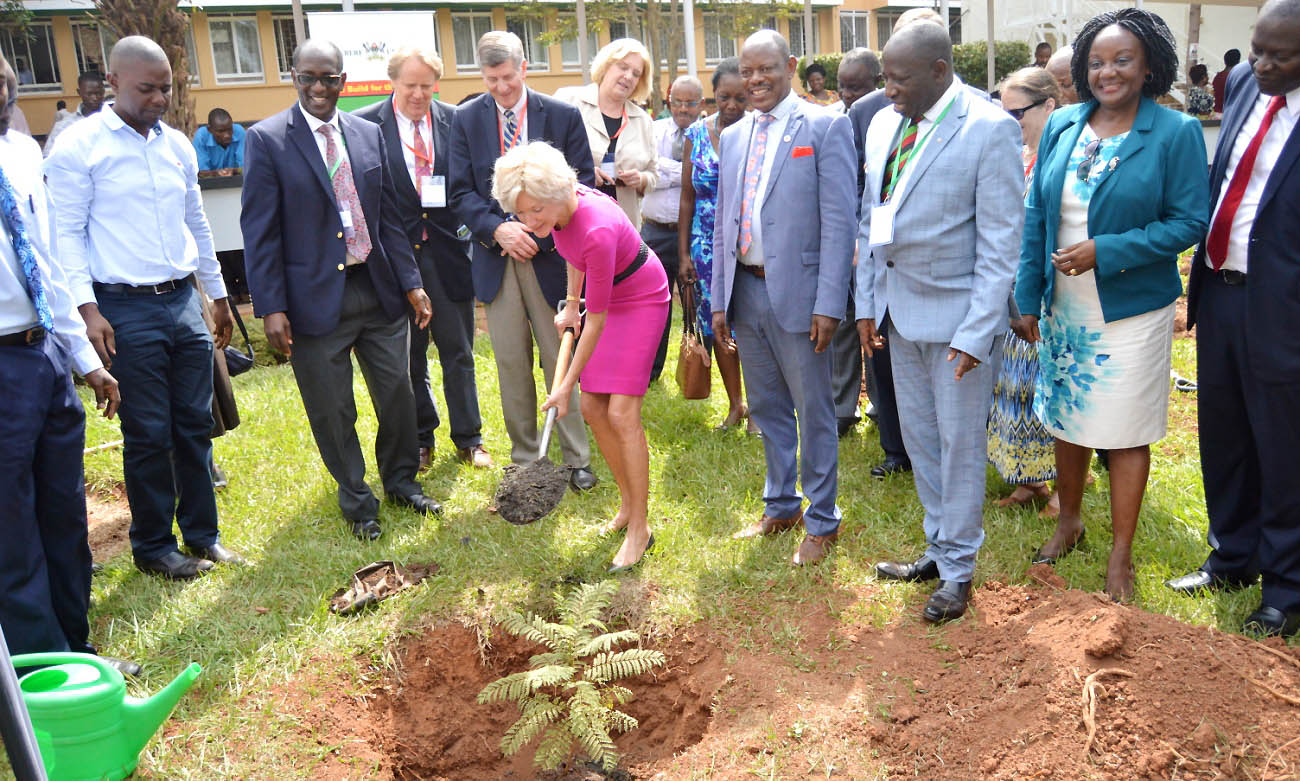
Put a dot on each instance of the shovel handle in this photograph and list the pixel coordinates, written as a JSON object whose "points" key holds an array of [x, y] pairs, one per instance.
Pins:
{"points": [[561, 369]]}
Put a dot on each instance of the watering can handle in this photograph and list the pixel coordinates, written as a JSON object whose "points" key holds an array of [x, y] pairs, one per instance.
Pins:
{"points": [[561, 369]]}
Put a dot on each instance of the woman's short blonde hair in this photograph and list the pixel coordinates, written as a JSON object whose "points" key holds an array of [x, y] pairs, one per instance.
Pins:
{"points": [[428, 57], [536, 168], [1037, 83], [616, 50]]}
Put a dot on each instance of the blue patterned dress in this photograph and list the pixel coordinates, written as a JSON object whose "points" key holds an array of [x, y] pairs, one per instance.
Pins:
{"points": [[1100, 385], [704, 177]]}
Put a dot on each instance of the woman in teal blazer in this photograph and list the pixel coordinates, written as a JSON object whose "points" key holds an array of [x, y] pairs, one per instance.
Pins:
{"points": [[1121, 189]]}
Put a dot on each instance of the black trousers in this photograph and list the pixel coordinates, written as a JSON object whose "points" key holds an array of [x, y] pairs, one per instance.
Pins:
{"points": [[664, 244], [45, 555], [1250, 437], [452, 332]]}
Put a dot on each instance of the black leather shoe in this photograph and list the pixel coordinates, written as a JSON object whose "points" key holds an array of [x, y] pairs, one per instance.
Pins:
{"points": [[96, 568], [891, 466], [947, 602], [367, 530], [418, 502], [582, 478], [921, 569], [219, 479], [218, 554], [1271, 622], [175, 566], [1201, 580], [845, 425], [127, 668]]}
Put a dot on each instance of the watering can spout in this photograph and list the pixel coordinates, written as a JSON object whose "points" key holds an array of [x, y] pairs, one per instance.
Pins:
{"points": [[144, 717]]}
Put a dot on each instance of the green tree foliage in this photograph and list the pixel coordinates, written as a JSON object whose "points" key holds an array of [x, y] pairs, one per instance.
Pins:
{"points": [[970, 60], [567, 696]]}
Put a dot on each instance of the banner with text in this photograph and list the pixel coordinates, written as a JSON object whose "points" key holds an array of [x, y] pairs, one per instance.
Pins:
{"points": [[368, 39]]}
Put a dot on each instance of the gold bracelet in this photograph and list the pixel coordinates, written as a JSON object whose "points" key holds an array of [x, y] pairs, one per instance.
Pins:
{"points": [[574, 299]]}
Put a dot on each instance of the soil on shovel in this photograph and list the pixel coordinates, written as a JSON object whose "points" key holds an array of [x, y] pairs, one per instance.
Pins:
{"points": [[529, 492]]}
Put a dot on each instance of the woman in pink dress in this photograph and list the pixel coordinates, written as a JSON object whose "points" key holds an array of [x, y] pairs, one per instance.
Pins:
{"points": [[626, 304]]}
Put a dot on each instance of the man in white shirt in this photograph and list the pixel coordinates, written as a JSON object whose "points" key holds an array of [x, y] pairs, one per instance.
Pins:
{"points": [[45, 561], [659, 226], [1244, 298], [132, 235], [90, 88]]}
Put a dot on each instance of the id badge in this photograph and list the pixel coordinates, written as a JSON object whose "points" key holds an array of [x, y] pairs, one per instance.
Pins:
{"points": [[607, 166], [882, 225], [433, 192], [345, 216]]}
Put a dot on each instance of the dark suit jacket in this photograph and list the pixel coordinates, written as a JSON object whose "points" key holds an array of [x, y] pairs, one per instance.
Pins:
{"points": [[1273, 255], [860, 113], [293, 238], [450, 254], [475, 147]]}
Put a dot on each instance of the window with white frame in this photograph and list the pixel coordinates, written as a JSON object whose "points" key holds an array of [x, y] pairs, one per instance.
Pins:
{"points": [[796, 36], [536, 53], [236, 48], [31, 54], [717, 45], [286, 40], [853, 30], [569, 58], [92, 43], [466, 28], [624, 30], [191, 51]]}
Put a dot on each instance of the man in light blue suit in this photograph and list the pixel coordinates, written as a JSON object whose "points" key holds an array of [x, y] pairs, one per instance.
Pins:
{"points": [[942, 212], [783, 252]]}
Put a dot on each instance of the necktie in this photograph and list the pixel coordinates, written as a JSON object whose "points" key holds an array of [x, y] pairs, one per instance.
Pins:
{"points": [[423, 169], [1216, 246], [679, 143], [753, 170], [901, 153], [345, 193], [508, 137], [23, 249]]}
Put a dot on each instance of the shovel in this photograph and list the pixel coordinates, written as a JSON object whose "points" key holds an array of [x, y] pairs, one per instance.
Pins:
{"points": [[528, 493]]}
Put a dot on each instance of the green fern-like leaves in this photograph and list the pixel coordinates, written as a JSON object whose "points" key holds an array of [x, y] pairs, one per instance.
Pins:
{"points": [[566, 696]]}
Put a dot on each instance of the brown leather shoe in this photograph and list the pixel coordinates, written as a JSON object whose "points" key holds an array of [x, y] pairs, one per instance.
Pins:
{"points": [[476, 455], [767, 526], [426, 458], [813, 548]]}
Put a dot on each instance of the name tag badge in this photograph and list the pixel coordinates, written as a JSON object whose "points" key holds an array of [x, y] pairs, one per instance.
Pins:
{"points": [[882, 225], [345, 216], [433, 192], [607, 168]]}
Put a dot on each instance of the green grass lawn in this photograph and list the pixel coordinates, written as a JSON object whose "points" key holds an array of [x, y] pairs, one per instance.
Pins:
{"points": [[254, 628]]}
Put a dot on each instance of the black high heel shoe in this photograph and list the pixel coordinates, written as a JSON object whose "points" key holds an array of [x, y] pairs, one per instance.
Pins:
{"points": [[1040, 558], [619, 570]]}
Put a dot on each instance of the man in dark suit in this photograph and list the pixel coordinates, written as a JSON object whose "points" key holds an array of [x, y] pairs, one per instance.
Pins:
{"points": [[1244, 296], [518, 277], [417, 133], [331, 271]]}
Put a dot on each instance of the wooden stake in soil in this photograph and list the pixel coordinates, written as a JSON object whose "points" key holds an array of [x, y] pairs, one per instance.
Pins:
{"points": [[528, 493]]}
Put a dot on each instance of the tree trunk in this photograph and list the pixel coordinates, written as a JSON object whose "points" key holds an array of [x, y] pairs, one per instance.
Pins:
{"points": [[164, 23]]}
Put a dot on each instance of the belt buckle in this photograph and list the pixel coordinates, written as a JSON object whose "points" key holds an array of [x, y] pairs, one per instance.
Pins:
{"points": [[158, 289], [34, 335]]}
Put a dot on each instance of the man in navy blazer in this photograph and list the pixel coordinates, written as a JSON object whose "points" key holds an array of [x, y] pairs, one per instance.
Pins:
{"points": [[331, 272], [519, 278], [417, 135], [781, 276], [1244, 298]]}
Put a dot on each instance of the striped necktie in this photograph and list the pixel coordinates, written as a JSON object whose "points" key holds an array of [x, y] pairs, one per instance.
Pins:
{"points": [[512, 129], [901, 154]]}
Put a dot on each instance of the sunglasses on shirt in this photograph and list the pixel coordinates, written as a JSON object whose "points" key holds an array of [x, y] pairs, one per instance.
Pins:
{"points": [[1019, 113], [1084, 171], [331, 80]]}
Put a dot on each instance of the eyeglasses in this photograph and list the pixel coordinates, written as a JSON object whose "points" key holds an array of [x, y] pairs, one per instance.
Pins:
{"points": [[331, 81], [1089, 157], [684, 103], [1019, 113]]}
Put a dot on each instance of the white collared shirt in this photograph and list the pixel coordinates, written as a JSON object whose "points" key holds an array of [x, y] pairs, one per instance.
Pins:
{"points": [[521, 117], [775, 131], [128, 209], [314, 124], [663, 202], [20, 157], [1270, 149], [406, 134]]}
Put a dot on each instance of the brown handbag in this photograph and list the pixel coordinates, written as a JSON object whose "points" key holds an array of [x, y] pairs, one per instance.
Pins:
{"points": [[693, 375]]}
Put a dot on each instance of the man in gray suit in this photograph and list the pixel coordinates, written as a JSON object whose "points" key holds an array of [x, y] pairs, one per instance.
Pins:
{"points": [[781, 277], [938, 246]]}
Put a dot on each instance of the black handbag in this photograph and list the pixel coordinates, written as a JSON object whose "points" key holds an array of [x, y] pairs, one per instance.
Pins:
{"points": [[237, 361]]}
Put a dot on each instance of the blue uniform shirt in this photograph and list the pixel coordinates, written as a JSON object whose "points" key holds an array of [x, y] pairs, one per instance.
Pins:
{"points": [[211, 154]]}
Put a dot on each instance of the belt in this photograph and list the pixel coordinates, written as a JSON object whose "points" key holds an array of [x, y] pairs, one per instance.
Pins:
{"points": [[756, 271], [28, 338], [1231, 278], [143, 290], [355, 268], [668, 226], [641, 256]]}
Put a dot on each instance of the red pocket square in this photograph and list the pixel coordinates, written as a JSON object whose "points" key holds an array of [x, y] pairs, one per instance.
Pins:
{"points": [[801, 151]]}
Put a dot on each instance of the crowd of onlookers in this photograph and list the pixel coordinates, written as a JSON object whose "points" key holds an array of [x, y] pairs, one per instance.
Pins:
{"points": [[1000, 272]]}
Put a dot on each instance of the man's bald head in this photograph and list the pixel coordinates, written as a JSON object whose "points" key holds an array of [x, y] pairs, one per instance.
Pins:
{"points": [[134, 49], [767, 38], [1059, 66], [318, 48], [914, 15], [929, 42], [918, 67]]}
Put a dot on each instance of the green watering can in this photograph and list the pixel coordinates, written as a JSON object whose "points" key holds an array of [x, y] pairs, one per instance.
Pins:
{"points": [[86, 725]]}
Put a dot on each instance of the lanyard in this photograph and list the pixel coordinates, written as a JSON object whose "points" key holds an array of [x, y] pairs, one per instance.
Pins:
{"points": [[519, 128], [427, 157], [900, 165], [343, 150], [620, 127]]}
